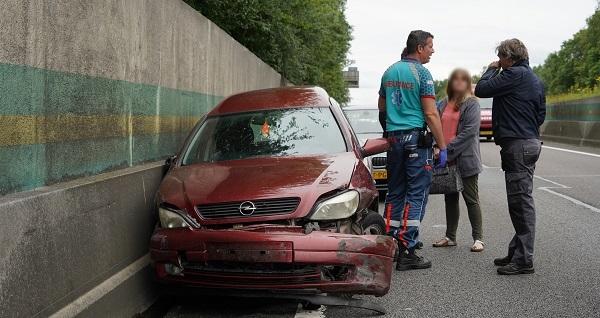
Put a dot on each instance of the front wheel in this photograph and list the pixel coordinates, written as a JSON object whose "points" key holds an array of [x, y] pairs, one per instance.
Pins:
{"points": [[373, 224]]}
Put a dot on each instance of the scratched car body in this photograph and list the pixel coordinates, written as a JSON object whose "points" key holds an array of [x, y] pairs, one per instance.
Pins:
{"points": [[268, 194]]}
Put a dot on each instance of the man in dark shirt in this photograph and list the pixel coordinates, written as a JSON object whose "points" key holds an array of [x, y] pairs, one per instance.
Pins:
{"points": [[519, 109]]}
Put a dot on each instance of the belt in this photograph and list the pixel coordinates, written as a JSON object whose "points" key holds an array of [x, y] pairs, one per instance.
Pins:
{"points": [[404, 131]]}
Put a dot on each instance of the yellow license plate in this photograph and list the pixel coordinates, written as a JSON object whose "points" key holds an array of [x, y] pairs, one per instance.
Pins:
{"points": [[379, 174], [486, 133]]}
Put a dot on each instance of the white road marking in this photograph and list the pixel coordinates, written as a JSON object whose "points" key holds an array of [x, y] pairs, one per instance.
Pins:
{"points": [[564, 196], [559, 185], [572, 151], [583, 204], [572, 176], [302, 313], [562, 186], [80, 304]]}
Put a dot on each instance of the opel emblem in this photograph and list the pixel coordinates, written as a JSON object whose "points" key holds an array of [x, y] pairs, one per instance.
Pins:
{"points": [[247, 208]]}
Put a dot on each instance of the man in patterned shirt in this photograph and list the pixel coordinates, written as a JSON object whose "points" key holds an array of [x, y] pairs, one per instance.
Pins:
{"points": [[407, 97]]}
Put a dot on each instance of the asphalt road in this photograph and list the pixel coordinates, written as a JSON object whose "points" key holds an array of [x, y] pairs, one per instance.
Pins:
{"points": [[465, 284]]}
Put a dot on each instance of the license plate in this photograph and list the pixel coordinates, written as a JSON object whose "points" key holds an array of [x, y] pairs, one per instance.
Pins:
{"points": [[486, 133], [259, 252], [379, 174]]}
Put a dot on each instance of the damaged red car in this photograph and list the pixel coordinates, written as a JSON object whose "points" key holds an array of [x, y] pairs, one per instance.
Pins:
{"points": [[271, 193]]}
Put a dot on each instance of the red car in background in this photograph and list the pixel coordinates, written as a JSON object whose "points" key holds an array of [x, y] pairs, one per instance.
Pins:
{"points": [[270, 194], [485, 130]]}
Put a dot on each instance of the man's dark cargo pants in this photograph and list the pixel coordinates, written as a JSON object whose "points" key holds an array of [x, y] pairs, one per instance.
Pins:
{"points": [[519, 157]]}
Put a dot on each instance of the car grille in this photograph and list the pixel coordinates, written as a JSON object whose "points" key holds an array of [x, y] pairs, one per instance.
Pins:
{"points": [[263, 207], [379, 161], [253, 274]]}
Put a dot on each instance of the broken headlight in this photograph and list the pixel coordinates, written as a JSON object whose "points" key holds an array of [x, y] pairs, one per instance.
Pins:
{"points": [[170, 219], [341, 206]]}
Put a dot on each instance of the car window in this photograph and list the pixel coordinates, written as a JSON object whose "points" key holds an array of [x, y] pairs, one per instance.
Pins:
{"points": [[364, 121], [485, 102], [281, 132]]}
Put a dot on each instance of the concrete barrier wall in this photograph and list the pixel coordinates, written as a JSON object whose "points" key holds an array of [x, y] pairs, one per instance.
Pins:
{"points": [[576, 122], [92, 93], [60, 242], [91, 86]]}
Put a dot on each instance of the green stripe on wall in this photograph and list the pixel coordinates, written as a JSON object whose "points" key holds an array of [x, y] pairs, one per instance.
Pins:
{"points": [[25, 90], [60, 126], [574, 111]]}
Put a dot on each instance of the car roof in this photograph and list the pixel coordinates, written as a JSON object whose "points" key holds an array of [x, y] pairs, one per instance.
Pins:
{"points": [[273, 98]]}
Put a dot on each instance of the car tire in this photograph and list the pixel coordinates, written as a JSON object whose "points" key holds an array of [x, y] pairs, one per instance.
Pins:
{"points": [[373, 224]]}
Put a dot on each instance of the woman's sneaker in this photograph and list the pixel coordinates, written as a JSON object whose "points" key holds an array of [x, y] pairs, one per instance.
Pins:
{"points": [[478, 246]]}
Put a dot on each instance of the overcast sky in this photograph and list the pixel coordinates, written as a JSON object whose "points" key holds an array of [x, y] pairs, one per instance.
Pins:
{"points": [[466, 33]]}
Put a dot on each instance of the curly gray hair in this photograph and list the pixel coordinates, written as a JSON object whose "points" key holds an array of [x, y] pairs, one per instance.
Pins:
{"points": [[513, 49]]}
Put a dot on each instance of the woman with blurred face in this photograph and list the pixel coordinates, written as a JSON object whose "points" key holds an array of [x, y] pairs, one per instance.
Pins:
{"points": [[460, 115]]}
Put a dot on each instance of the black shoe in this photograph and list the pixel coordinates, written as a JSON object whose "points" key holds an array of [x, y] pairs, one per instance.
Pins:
{"points": [[412, 261], [503, 261], [515, 269], [419, 245]]}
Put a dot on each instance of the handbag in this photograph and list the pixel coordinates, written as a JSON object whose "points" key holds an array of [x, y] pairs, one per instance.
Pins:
{"points": [[446, 180]]}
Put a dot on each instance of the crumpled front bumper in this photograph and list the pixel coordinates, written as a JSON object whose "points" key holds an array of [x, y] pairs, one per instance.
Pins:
{"points": [[274, 258]]}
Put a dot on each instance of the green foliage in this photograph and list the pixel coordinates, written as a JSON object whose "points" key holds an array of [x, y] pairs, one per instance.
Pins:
{"points": [[305, 40], [575, 69], [440, 88], [574, 95]]}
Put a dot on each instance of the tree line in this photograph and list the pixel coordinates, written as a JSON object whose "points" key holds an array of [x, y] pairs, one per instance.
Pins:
{"points": [[304, 40], [576, 66]]}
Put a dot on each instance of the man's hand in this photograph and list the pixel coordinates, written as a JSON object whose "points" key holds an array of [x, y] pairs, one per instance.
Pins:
{"points": [[494, 64], [443, 159], [436, 153], [432, 117]]}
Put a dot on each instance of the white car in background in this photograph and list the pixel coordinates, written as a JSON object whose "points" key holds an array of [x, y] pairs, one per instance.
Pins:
{"points": [[365, 123]]}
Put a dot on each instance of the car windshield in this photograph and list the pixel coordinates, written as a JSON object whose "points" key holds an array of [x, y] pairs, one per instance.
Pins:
{"points": [[281, 132], [485, 103], [364, 121]]}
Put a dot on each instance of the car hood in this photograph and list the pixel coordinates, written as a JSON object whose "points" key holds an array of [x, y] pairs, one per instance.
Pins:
{"points": [[258, 178]]}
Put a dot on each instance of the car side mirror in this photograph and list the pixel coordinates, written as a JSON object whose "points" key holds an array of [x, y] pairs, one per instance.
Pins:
{"points": [[375, 146], [168, 163]]}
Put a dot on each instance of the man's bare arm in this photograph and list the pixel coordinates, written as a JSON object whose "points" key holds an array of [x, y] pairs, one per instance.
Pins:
{"points": [[381, 104], [432, 117]]}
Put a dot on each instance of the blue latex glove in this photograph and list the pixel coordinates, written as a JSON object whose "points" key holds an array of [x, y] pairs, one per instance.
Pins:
{"points": [[443, 159]]}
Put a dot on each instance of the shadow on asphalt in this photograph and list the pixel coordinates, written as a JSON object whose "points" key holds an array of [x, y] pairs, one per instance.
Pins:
{"points": [[213, 306]]}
